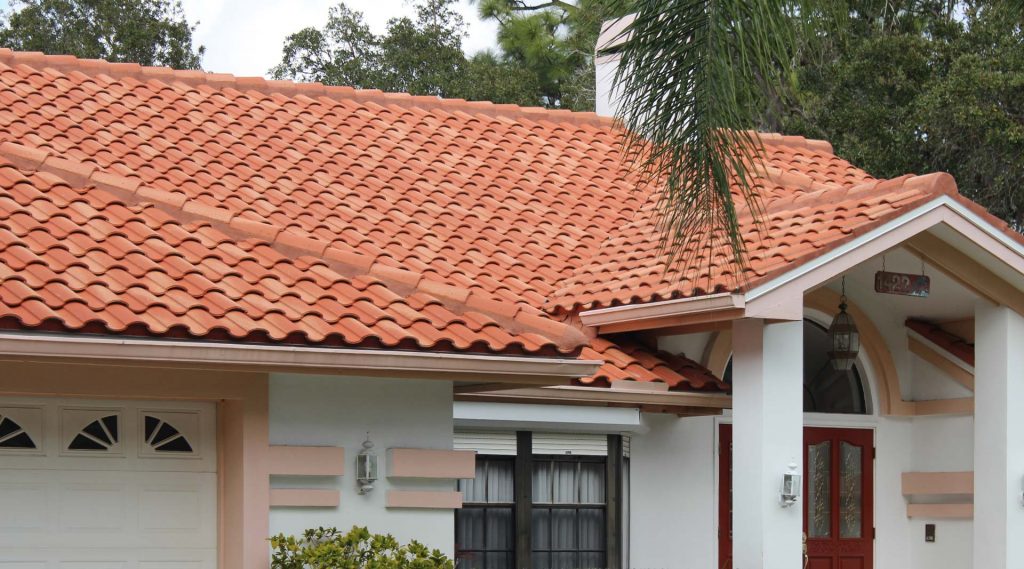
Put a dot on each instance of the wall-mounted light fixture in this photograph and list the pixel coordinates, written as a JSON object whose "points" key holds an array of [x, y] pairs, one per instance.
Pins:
{"points": [[790, 487], [366, 467]]}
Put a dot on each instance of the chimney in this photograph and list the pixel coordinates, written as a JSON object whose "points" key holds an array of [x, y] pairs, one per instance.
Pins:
{"points": [[605, 65]]}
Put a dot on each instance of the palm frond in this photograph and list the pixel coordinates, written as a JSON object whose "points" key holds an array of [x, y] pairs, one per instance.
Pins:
{"points": [[694, 77]]}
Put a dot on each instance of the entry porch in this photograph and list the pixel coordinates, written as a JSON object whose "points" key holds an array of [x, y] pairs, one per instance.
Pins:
{"points": [[901, 460]]}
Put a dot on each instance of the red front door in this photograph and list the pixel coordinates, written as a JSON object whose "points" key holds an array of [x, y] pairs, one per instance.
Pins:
{"points": [[837, 498]]}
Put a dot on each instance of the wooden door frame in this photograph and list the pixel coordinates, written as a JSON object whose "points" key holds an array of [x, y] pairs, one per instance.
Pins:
{"points": [[812, 420]]}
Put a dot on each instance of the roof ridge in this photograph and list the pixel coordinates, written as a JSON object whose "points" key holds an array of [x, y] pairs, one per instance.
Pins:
{"points": [[84, 174], [935, 183], [68, 63], [194, 77], [795, 141]]}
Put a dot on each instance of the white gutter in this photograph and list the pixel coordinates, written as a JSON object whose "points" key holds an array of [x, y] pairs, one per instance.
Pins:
{"points": [[651, 310], [286, 357]]}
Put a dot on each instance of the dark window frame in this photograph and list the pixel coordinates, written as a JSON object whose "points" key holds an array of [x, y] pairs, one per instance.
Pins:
{"points": [[576, 505], [523, 504], [462, 551]]}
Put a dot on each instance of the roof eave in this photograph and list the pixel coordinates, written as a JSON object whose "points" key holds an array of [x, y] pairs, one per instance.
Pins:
{"points": [[274, 358], [676, 312]]}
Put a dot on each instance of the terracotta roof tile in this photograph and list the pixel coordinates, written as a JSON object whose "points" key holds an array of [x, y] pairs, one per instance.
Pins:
{"points": [[631, 362], [275, 211], [167, 279], [800, 223]]}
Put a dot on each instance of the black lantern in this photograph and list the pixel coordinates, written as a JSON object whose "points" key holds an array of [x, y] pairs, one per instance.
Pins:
{"points": [[843, 336]]}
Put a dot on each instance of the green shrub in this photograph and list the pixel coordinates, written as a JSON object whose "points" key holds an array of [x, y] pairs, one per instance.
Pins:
{"points": [[328, 548]]}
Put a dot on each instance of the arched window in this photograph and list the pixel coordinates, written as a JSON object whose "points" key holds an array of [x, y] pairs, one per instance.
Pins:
{"points": [[826, 389]]}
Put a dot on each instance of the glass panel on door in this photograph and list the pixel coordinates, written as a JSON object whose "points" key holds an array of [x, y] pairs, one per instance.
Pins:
{"points": [[850, 501], [819, 489]]}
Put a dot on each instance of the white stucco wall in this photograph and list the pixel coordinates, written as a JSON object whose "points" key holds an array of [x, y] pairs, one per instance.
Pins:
{"points": [[942, 444], [338, 411], [920, 444], [673, 515], [892, 459], [939, 444]]}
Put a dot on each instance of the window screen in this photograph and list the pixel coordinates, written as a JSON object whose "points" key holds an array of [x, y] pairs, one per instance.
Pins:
{"points": [[568, 525], [484, 527]]}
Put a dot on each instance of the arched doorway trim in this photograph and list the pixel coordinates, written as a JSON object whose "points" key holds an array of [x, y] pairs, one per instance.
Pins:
{"points": [[882, 378]]}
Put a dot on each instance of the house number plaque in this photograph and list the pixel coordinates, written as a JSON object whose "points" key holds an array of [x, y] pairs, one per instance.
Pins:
{"points": [[902, 283]]}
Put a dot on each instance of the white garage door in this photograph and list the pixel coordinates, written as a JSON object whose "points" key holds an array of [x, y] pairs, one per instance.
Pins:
{"points": [[107, 485]]}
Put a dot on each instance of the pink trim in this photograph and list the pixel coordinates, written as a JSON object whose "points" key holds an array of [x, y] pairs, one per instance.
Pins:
{"points": [[424, 499], [428, 463], [304, 498], [943, 511], [920, 483], [306, 461]]}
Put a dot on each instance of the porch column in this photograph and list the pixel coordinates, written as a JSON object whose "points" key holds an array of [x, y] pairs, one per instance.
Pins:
{"points": [[998, 437], [767, 407]]}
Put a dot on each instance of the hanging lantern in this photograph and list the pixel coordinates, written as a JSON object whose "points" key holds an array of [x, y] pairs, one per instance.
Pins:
{"points": [[843, 336]]}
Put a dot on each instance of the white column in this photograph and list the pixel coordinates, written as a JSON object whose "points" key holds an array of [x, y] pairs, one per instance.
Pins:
{"points": [[767, 407], [998, 437]]}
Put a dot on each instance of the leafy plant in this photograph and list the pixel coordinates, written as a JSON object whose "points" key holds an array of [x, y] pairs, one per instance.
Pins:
{"points": [[329, 548]]}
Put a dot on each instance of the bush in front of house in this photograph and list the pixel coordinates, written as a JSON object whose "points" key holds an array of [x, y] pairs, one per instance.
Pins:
{"points": [[328, 548]]}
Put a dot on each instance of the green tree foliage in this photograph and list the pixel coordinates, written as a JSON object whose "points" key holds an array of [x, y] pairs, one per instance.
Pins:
{"points": [[922, 86], [554, 40], [490, 77], [898, 86], [149, 32], [358, 549], [421, 56]]}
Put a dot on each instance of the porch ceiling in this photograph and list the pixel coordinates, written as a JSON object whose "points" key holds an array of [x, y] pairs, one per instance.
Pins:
{"points": [[948, 299]]}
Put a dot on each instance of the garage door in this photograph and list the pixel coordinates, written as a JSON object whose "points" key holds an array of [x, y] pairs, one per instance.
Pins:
{"points": [[107, 485]]}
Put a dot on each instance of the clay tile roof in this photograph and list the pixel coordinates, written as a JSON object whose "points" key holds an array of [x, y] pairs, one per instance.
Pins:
{"points": [[804, 217], [948, 341], [86, 259], [138, 200], [626, 361]]}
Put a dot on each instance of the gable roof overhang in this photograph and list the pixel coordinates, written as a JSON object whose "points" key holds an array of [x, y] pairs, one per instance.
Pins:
{"points": [[936, 231]]}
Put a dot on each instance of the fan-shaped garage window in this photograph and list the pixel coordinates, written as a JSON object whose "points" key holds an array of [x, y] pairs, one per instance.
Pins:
{"points": [[826, 389], [99, 435], [13, 436], [162, 437]]}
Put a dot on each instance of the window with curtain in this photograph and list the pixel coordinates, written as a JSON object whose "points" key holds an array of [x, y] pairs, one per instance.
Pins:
{"points": [[568, 515], [484, 527]]}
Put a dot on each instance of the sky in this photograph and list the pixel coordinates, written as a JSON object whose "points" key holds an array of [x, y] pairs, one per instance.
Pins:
{"points": [[245, 37]]}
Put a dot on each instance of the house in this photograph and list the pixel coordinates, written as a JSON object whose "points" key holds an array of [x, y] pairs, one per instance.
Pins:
{"points": [[218, 293]]}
